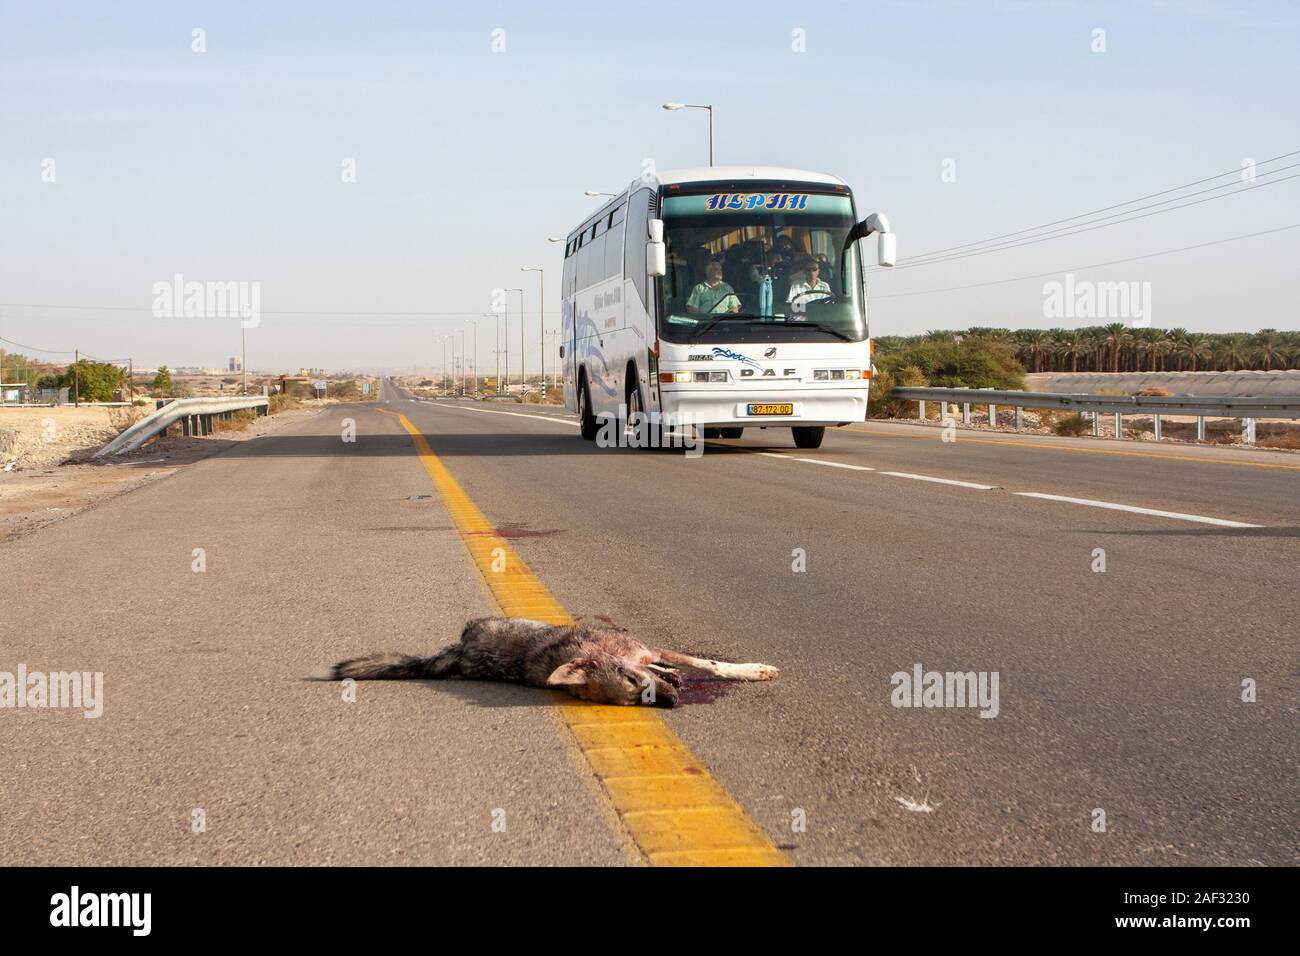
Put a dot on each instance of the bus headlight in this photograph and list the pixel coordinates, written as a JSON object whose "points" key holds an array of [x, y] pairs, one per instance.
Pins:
{"points": [[683, 378]]}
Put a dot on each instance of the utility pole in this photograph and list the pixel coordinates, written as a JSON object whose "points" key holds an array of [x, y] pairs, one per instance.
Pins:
{"points": [[76, 387], [541, 312], [243, 357], [496, 328], [474, 322], [507, 325]]}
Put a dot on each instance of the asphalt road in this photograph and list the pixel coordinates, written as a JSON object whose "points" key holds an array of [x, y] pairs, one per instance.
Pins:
{"points": [[1118, 691]]}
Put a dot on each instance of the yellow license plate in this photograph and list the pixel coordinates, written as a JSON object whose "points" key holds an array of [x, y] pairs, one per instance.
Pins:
{"points": [[757, 409]]}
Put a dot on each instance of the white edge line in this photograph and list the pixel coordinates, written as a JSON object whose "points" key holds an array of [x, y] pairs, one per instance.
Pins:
{"points": [[941, 481], [1112, 506], [497, 411], [833, 464]]}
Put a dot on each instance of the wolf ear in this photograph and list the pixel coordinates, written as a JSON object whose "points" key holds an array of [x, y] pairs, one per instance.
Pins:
{"points": [[572, 673]]}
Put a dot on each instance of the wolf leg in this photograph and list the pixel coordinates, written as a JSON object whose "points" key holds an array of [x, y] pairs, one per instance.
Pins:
{"points": [[717, 668]]}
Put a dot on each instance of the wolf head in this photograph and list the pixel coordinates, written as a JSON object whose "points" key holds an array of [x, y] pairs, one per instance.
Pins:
{"points": [[609, 680]]}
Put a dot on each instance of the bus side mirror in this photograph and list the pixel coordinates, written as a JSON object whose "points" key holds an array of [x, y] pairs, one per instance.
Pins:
{"points": [[655, 230], [656, 260], [887, 249]]}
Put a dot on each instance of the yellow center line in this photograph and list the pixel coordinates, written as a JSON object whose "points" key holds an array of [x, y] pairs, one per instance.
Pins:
{"points": [[673, 808], [1041, 446]]}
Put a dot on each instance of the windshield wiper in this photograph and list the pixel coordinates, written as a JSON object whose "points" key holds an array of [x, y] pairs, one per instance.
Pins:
{"points": [[729, 317], [768, 320], [823, 327]]}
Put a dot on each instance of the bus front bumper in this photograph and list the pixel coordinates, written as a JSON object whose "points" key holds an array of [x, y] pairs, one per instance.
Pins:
{"points": [[731, 407]]}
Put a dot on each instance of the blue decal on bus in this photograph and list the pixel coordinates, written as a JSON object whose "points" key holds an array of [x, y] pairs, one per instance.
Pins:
{"points": [[720, 352]]}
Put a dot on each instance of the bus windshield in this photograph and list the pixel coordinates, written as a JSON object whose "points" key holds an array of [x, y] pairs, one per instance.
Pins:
{"points": [[761, 266]]}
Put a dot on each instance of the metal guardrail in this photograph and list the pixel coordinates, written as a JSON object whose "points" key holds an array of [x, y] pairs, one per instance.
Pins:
{"points": [[1248, 408], [195, 413], [1269, 406]]}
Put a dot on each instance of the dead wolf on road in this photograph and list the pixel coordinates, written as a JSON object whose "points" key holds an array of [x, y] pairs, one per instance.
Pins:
{"points": [[601, 664]]}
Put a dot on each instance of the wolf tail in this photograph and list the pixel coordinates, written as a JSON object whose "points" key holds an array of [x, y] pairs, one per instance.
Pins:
{"points": [[446, 663]]}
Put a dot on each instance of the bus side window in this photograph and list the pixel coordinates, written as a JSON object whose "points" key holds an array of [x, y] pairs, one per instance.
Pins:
{"points": [[614, 246], [591, 262], [566, 277], [638, 214]]}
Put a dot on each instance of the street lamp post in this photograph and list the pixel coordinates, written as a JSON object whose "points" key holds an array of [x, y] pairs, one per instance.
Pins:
{"points": [[695, 106], [523, 373], [474, 364], [496, 327], [462, 362], [541, 314]]}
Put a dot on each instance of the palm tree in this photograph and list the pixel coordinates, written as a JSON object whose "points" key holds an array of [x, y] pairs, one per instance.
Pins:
{"points": [[1235, 350], [1174, 341], [1073, 345], [1117, 336], [1271, 348], [1195, 347], [1033, 342]]}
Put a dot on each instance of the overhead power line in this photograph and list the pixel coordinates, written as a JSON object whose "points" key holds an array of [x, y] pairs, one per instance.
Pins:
{"points": [[1073, 231], [1093, 212], [1094, 265]]}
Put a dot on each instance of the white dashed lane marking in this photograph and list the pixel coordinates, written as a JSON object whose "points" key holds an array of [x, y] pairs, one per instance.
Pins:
{"points": [[1112, 506], [940, 481]]}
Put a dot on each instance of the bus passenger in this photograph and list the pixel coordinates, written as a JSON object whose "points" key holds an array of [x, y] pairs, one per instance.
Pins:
{"points": [[713, 295], [810, 288]]}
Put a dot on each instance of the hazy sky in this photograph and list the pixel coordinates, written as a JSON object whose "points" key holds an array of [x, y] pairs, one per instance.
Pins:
{"points": [[227, 165]]}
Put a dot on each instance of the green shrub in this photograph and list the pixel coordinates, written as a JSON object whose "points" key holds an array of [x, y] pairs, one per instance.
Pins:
{"points": [[92, 381], [1074, 424], [347, 391], [880, 405], [279, 402], [946, 363]]}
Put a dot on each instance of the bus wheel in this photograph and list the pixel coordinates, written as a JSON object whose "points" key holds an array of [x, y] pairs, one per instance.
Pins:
{"points": [[732, 432], [809, 437], [585, 417], [635, 409]]}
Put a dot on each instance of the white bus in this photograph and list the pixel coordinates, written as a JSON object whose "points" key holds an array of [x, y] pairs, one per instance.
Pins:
{"points": [[724, 296]]}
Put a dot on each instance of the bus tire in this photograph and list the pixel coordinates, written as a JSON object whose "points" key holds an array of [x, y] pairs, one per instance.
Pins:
{"points": [[809, 436], [732, 432], [632, 399], [586, 419]]}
